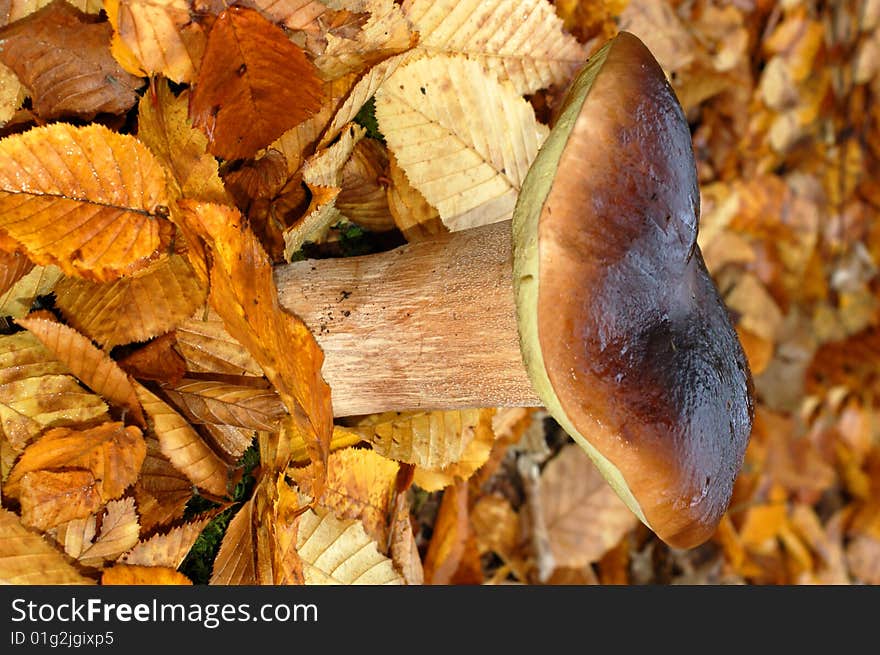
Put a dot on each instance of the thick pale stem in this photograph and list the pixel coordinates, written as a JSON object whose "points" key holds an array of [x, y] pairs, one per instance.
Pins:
{"points": [[429, 325]]}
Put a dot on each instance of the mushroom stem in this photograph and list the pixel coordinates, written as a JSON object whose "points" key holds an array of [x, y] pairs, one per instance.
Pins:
{"points": [[429, 325]]}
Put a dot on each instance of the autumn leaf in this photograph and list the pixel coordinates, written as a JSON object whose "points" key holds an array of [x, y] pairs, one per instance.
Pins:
{"points": [[160, 35], [183, 446], [134, 308], [584, 516], [243, 292], [13, 267], [235, 563], [111, 452], [67, 194], [336, 551], [91, 546], [362, 198], [451, 538], [61, 54], [26, 558], [127, 574], [221, 403], [50, 498], [518, 41], [253, 85], [208, 348], [166, 548], [91, 365], [161, 491], [413, 215], [20, 297], [157, 360], [464, 140]]}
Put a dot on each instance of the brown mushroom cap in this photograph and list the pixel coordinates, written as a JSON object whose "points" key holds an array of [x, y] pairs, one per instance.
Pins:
{"points": [[622, 329]]}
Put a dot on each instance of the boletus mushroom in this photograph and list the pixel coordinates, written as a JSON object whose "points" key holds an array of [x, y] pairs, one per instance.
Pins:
{"points": [[594, 302]]}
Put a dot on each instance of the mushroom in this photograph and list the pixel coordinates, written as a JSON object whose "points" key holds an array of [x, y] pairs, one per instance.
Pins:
{"points": [[599, 308]]}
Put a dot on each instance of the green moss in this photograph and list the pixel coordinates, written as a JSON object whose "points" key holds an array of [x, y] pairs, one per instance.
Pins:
{"points": [[366, 118], [199, 562]]}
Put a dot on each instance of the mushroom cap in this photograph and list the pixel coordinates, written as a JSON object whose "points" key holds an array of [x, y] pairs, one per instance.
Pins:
{"points": [[622, 329]]}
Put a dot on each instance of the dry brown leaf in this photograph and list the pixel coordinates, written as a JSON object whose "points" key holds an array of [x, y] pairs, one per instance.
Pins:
{"points": [[167, 548], [207, 347], [363, 199], [336, 551], [158, 360], [253, 85], [39, 281], [404, 549], [126, 574], [495, 525], [360, 485], [277, 515], [92, 366], [91, 546], [62, 56], [86, 199], [464, 140], [205, 401], [584, 517], [412, 214], [863, 559], [183, 446], [50, 498], [243, 291], [450, 534], [232, 440], [518, 40], [161, 491], [160, 35], [235, 563], [164, 126], [26, 558], [111, 452], [13, 267], [133, 308]]}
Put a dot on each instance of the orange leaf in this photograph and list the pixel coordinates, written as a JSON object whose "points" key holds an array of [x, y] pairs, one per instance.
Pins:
{"points": [[253, 85], [168, 548], [243, 292], [220, 403], [208, 348], [158, 360], [235, 563], [63, 56], [133, 308], [161, 490], [451, 531], [13, 267], [84, 198], [112, 453], [49, 498], [92, 366], [126, 574]]}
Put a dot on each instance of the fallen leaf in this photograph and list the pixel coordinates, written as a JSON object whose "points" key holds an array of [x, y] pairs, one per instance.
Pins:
{"points": [[111, 452], [20, 297], [235, 563], [208, 348], [584, 516], [413, 215], [126, 574], [475, 455], [50, 498], [26, 558], [363, 199], [464, 140], [227, 404], [90, 546], [158, 360], [336, 551], [520, 41], [253, 85], [183, 446], [448, 540], [68, 193], [161, 491], [166, 548], [495, 525], [92, 366], [62, 56], [133, 308], [13, 267]]}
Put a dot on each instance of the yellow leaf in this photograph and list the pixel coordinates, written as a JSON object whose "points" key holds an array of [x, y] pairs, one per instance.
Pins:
{"points": [[235, 563], [161, 36], [464, 140], [208, 348], [518, 40], [26, 558], [19, 298], [413, 215], [164, 126], [134, 308], [342, 438], [126, 574], [92, 366], [584, 516], [450, 533], [86, 199], [183, 446], [360, 485], [336, 551]]}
